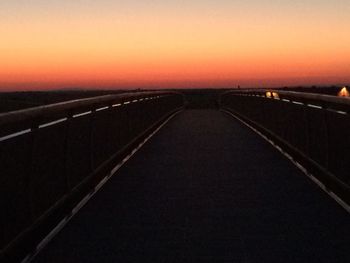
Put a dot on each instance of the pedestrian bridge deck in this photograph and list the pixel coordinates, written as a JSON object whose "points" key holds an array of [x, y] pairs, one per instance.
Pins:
{"points": [[205, 188]]}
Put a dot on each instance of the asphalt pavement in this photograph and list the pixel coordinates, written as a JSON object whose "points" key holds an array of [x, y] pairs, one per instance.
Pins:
{"points": [[206, 188]]}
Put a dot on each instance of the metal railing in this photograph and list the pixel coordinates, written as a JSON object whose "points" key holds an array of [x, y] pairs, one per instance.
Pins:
{"points": [[313, 128], [53, 155]]}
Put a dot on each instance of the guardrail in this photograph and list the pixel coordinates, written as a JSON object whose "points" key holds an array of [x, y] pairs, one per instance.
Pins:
{"points": [[52, 156], [313, 128]]}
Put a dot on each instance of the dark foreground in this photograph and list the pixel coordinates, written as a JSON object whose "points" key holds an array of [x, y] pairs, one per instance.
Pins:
{"points": [[206, 189]]}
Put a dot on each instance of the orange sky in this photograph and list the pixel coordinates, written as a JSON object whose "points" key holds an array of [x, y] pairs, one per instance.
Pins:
{"points": [[165, 44]]}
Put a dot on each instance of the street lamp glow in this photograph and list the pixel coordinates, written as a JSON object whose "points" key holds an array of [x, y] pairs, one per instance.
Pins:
{"points": [[344, 92], [275, 95]]}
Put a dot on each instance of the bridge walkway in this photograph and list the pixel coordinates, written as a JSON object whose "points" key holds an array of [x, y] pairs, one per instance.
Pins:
{"points": [[206, 188]]}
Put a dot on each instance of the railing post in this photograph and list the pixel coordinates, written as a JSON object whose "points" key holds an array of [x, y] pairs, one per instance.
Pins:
{"points": [[91, 141], [307, 131], [327, 183], [66, 142], [31, 178]]}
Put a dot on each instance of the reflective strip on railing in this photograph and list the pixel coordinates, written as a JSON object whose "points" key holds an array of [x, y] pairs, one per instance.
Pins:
{"points": [[7, 137], [44, 125], [82, 114], [52, 123], [314, 106], [341, 112], [103, 108], [338, 111], [297, 102]]}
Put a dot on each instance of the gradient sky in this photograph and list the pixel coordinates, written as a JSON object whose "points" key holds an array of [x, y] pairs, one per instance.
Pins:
{"points": [[165, 43]]}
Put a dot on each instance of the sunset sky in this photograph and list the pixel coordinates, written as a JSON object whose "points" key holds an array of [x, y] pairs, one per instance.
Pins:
{"points": [[167, 43]]}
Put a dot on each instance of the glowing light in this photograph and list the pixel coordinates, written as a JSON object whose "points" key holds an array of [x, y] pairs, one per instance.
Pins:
{"points": [[344, 92], [269, 94], [275, 95]]}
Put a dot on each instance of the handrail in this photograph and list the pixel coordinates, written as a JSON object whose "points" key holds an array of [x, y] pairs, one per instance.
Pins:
{"points": [[323, 100], [53, 155], [312, 128], [46, 110]]}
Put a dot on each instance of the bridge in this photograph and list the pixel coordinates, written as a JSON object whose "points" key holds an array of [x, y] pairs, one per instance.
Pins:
{"points": [[254, 176]]}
